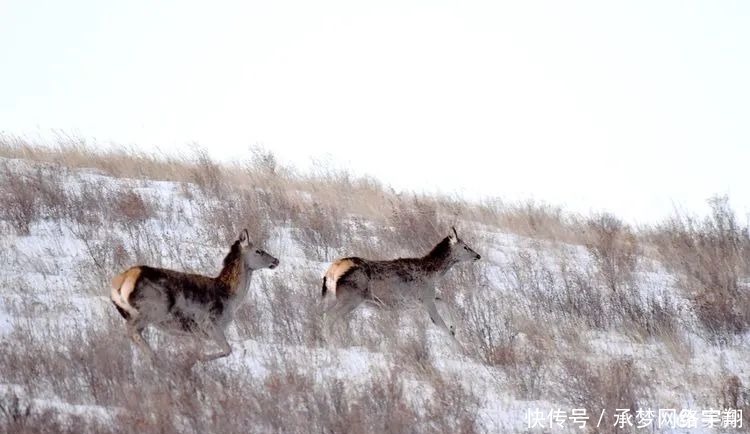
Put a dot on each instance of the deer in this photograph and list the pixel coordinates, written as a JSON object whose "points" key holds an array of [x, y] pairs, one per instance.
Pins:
{"points": [[181, 303], [349, 281]]}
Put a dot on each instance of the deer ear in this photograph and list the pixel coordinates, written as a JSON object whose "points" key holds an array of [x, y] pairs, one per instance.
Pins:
{"points": [[244, 237], [454, 236]]}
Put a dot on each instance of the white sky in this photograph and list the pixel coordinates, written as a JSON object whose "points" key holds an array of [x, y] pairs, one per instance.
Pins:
{"points": [[632, 107]]}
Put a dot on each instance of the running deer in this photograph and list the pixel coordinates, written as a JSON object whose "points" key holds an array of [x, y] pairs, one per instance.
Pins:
{"points": [[188, 304], [350, 280]]}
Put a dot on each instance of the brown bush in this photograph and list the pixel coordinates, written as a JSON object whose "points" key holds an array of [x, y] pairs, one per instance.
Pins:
{"points": [[615, 251], [711, 257], [415, 225], [616, 384], [15, 413], [226, 218], [322, 231], [734, 395], [207, 174], [131, 208], [567, 288], [538, 220], [20, 195], [490, 324], [294, 308]]}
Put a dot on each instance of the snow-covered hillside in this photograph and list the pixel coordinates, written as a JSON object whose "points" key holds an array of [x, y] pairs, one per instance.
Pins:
{"points": [[550, 326]]}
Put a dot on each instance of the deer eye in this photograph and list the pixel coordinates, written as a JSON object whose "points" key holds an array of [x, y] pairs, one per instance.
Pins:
{"points": [[466, 248], [257, 251]]}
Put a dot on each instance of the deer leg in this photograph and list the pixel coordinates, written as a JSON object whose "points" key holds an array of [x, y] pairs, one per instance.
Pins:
{"points": [[328, 318], [332, 314], [344, 305], [135, 332], [351, 291], [218, 336], [428, 301], [193, 352], [349, 305], [429, 304]]}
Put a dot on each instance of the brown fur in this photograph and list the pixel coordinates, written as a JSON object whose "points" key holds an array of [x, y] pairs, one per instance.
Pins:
{"points": [[230, 274], [123, 286], [336, 270], [353, 280], [401, 270], [185, 303], [117, 280]]}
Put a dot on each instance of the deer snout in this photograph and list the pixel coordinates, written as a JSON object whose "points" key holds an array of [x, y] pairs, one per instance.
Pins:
{"points": [[274, 264], [478, 257]]}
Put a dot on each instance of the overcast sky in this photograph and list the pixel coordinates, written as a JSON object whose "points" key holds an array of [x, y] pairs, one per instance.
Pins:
{"points": [[633, 107]]}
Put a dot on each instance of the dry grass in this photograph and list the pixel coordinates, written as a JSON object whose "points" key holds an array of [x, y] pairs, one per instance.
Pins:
{"points": [[567, 289], [532, 219], [615, 250], [572, 277], [284, 190], [614, 385], [712, 259], [96, 366], [322, 231], [30, 197]]}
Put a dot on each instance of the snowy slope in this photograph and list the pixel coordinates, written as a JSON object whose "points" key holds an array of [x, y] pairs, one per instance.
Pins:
{"points": [[54, 288]]}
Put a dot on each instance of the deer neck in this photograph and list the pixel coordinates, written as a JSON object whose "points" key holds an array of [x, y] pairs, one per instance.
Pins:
{"points": [[242, 286], [236, 278], [439, 260], [438, 267]]}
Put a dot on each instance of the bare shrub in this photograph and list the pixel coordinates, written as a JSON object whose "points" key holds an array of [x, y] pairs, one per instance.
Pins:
{"points": [[281, 206], [734, 395], [529, 372], [322, 231], [491, 325], [207, 174], [131, 208], [103, 255], [581, 298], [712, 259], [484, 316], [532, 219], [616, 384], [224, 219], [456, 407], [285, 309], [263, 162], [77, 153], [366, 239], [15, 414], [506, 337], [94, 367], [89, 206], [567, 288], [614, 248], [379, 405], [249, 321], [413, 352], [26, 197], [294, 310], [416, 225]]}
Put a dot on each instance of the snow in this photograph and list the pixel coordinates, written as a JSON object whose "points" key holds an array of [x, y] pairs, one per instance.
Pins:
{"points": [[42, 273], [58, 407], [5, 323]]}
